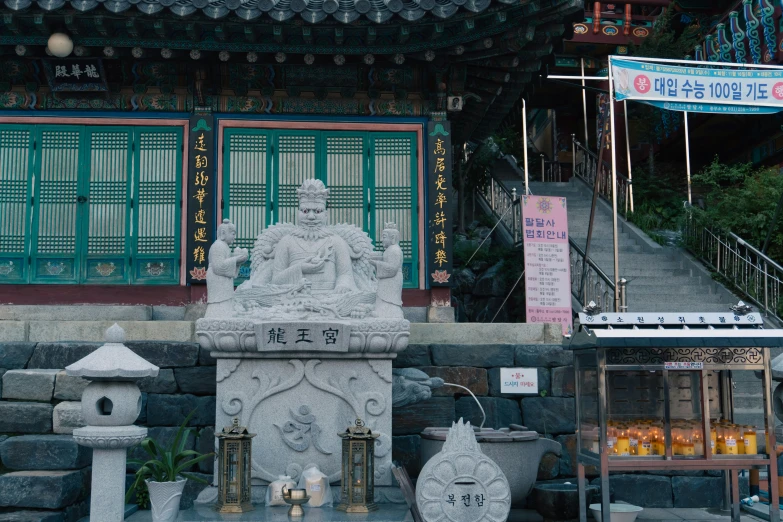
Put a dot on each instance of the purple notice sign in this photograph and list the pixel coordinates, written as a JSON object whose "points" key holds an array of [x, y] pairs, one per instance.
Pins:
{"points": [[547, 268]]}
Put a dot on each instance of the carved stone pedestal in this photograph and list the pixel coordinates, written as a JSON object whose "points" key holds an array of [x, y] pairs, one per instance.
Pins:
{"points": [[298, 402]]}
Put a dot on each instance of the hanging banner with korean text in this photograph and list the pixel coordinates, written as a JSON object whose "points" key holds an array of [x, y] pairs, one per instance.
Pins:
{"points": [[440, 220], [201, 195], [547, 267], [693, 89], [75, 74]]}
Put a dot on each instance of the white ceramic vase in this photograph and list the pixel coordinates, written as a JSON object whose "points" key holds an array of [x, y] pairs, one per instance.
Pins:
{"points": [[164, 499]]}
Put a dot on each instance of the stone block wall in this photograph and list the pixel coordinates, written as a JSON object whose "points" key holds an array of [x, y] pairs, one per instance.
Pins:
{"points": [[477, 367], [43, 472]]}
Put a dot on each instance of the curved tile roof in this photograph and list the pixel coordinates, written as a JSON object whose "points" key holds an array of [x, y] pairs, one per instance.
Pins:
{"points": [[312, 11]]}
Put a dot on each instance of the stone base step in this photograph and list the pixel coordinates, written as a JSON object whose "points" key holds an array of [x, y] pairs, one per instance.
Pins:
{"points": [[130, 509]]}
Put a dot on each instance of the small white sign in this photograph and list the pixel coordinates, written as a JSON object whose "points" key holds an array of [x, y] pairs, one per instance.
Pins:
{"points": [[683, 365], [519, 380]]}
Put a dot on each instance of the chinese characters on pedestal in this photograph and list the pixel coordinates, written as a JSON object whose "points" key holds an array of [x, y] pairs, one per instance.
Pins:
{"points": [[440, 191], [547, 269], [200, 194]]}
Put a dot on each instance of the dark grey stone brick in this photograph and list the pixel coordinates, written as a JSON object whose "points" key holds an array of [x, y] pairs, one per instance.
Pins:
{"points": [[163, 354], [14, 356], [59, 355], [500, 412], [25, 417], [198, 380], [474, 379], [32, 516], [411, 420], [413, 355], [697, 492], [205, 358], [171, 410], [484, 356], [549, 414], [563, 384], [541, 355], [40, 489], [192, 490], [163, 383], [44, 452], [405, 452], [166, 354], [493, 375], [640, 490], [206, 444]]}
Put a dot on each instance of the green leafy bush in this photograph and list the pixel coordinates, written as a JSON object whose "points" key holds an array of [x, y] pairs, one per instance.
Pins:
{"points": [[741, 198]]}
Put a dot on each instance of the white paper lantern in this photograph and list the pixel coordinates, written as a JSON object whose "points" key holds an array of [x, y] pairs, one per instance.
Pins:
{"points": [[60, 45]]}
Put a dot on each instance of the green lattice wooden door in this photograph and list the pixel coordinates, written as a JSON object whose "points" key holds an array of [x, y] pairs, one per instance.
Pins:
{"points": [[393, 184], [16, 168], [94, 204], [372, 178], [58, 205]]}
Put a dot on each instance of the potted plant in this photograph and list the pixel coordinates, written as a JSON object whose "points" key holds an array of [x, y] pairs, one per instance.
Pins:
{"points": [[164, 474]]}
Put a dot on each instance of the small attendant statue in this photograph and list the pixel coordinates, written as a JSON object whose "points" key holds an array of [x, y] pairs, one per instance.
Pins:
{"points": [[388, 270], [223, 269]]}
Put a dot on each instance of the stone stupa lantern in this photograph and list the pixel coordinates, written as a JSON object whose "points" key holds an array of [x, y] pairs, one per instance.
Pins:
{"points": [[111, 403]]}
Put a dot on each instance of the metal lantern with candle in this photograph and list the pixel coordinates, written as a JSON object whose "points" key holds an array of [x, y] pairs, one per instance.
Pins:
{"points": [[357, 490], [235, 465]]}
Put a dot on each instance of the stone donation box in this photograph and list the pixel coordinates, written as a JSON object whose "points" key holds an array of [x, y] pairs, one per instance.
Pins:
{"points": [[304, 347]]}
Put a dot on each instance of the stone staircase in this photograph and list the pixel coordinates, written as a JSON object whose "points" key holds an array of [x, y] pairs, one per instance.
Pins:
{"points": [[660, 278]]}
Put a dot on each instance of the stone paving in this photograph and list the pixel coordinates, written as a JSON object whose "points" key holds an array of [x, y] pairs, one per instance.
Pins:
{"points": [[650, 515]]}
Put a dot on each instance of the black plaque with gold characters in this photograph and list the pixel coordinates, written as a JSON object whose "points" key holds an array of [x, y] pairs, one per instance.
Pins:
{"points": [[439, 188], [201, 195]]}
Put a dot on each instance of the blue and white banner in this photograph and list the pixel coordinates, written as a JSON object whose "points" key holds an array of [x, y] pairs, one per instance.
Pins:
{"points": [[693, 89]]}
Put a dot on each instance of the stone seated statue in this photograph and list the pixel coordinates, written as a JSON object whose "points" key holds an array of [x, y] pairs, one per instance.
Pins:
{"points": [[310, 270], [313, 271]]}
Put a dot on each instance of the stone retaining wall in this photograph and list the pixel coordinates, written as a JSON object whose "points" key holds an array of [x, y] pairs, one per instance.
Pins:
{"points": [[43, 471]]}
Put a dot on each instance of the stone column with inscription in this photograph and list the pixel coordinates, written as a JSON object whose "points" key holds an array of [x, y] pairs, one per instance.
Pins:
{"points": [[301, 352]]}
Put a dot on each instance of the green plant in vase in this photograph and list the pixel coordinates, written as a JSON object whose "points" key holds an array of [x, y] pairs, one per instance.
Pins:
{"points": [[164, 473]]}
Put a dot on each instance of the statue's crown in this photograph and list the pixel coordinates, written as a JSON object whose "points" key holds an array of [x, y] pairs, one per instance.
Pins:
{"points": [[313, 190], [390, 226]]}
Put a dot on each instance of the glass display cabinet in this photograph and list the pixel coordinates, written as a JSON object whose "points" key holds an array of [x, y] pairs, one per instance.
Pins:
{"points": [[653, 392]]}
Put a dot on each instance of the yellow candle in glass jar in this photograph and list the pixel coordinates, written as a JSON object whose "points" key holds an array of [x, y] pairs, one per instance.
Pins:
{"points": [[623, 446], [713, 439], [644, 448], [750, 444], [730, 446], [687, 449]]}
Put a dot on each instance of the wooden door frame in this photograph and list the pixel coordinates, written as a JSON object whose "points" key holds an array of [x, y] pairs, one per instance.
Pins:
{"points": [[130, 122], [418, 128]]}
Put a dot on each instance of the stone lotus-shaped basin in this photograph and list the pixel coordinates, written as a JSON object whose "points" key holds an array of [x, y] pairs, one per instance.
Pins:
{"points": [[560, 501], [517, 451]]}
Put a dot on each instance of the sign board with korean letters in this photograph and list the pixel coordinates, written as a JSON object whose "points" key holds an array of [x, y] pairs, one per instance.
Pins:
{"points": [[694, 89], [670, 319], [683, 366], [307, 336], [519, 380], [547, 264], [75, 74]]}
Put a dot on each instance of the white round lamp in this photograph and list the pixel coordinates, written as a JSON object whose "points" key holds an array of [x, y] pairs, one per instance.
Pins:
{"points": [[60, 45]]}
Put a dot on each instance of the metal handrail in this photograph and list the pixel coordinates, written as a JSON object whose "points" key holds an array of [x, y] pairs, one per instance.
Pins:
{"points": [[586, 169], [745, 267], [506, 207]]}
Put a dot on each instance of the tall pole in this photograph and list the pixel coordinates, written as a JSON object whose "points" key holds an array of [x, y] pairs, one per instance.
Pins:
{"points": [[628, 153], [584, 104], [524, 143], [614, 192], [688, 157]]}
